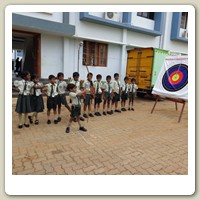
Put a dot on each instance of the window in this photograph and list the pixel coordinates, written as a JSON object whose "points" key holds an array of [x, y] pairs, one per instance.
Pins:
{"points": [[148, 15], [94, 54], [184, 18]]}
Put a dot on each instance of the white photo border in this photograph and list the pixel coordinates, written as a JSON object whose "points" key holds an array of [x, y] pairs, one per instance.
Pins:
{"points": [[101, 184]]}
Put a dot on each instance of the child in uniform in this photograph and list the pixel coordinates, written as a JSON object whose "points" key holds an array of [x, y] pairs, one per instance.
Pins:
{"points": [[61, 89], [23, 105], [88, 86], [98, 94], [52, 95], [37, 103], [132, 92], [76, 82], [124, 95], [107, 94], [76, 108], [117, 92]]}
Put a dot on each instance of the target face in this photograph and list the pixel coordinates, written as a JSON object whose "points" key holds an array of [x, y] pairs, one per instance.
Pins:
{"points": [[175, 78]]}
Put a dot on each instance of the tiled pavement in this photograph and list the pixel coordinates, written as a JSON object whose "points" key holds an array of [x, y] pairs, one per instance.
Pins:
{"points": [[133, 142]]}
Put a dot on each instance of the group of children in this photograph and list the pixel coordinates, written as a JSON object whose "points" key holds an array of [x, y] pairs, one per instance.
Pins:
{"points": [[30, 98]]}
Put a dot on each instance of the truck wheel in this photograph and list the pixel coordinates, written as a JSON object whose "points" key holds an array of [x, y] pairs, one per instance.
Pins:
{"points": [[141, 94]]}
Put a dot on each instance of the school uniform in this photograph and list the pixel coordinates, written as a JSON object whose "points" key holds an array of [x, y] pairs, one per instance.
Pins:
{"points": [[76, 83], [125, 88], [132, 91], [87, 85], [116, 88], [108, 91], [52, 96], [76, 104], [61, 90], [98, 92], [23, 101], [37, 103]]}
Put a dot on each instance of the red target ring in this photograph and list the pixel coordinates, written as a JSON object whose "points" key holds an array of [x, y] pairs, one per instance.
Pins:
{"points": [[175, 77]]}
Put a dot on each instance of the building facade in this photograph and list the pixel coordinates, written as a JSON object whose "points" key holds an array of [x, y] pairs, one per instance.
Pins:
{"points": [[55, 42]]}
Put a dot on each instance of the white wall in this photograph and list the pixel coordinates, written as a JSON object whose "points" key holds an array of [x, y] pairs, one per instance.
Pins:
{"points": [[142, 22], [54, 16], [51, 55], [142, 40], [95, 31]]}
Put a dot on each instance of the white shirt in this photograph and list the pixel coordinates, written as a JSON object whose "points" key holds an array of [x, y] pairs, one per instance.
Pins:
{"points": [[87, 86], [24, 86], [76, 83], [55, 93], [125, 87], [74, 98], [62, 86], [98, 85], [116, 86], [106, 85], [37, 91], [133, 88]]}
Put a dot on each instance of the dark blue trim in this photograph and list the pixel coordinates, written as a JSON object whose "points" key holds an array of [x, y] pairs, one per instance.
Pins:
{"points": [[126, 18], [126, 23], [65, 18], [39, 25], [175, 29]]}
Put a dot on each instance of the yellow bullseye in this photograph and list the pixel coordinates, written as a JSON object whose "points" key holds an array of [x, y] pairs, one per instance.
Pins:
{"points": [[175, 77]]}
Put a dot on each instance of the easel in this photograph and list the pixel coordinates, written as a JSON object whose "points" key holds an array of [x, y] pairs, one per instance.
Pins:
{"points": [[174, 100]]}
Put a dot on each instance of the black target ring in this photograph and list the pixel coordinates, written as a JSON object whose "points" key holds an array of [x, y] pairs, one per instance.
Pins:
{"points": [[175, 78]]}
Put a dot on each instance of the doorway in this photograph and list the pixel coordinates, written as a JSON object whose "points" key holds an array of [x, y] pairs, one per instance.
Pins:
{"points": [[27, 46]]}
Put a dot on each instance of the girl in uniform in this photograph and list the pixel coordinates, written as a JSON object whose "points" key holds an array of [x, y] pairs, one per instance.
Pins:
{"points": [[124, 95], [37, 103]]}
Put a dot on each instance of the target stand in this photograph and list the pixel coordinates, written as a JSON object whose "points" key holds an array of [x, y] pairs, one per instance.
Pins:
{"points": [[171, 99]]}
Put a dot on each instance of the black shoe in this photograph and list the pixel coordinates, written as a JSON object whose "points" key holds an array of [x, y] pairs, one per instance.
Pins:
{"points": [[82, 119], [30, 119], [132, 109], [85, 115], [96, 113], [125, 109], [55, 121], [20, 126], [48, 121], [58, 119], [75, 120], [109, 112], [36, 122], [99, 114], [82, 129], [117, 111], [26, 125], [129, 109], [67, 130], [91, 115], [104, 113]]}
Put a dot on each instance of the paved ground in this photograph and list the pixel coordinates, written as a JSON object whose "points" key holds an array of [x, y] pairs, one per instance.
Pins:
{"points": [[133, 142]]}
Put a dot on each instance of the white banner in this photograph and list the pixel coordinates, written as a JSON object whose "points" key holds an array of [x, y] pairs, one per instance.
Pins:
{"points": [[172, 81]]}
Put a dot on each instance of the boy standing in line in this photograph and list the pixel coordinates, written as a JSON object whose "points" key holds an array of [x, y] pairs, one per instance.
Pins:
{"points": [[108, 95], [61, 89], [117, 93], [98, 94], [88, 86]]}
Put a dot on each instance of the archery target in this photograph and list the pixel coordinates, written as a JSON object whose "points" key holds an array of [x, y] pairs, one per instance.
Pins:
{"points": [[172, 80], [175, 78]]}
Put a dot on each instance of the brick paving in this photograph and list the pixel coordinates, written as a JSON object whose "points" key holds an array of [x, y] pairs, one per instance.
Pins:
{"points": [[133, 142]]}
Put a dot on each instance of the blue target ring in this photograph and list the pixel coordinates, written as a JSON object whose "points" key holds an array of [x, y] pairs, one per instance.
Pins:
{"points": [[175, 78]]}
